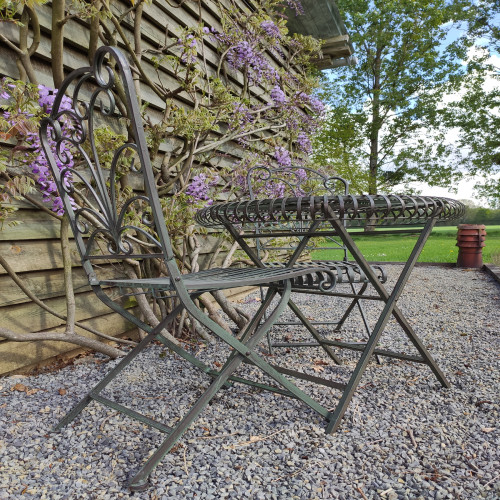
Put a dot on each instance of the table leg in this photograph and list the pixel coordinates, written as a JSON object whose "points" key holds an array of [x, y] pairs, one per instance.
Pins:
{"points": [[389, 308]]}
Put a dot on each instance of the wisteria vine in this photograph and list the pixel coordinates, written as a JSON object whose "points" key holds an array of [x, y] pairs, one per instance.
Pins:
{"points": [[248, 46], [271, 118], [24, 122]]}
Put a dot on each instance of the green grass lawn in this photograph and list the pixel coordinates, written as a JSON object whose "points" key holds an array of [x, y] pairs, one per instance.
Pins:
{"points": [[440, 247]]}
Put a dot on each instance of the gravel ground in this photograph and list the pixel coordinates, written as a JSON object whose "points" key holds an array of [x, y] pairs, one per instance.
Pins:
{"points": [[403, 436]]}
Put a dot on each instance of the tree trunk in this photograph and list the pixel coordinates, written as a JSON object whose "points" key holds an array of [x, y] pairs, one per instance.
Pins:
{"points": [[376, 124], [375, 131], [57, 36]]}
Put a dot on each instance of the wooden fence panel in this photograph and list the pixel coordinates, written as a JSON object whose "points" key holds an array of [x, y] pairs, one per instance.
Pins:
{"points": [[16, 355]]}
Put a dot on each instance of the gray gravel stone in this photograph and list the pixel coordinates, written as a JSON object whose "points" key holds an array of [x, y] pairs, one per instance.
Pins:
{"points": [[403, 436]]}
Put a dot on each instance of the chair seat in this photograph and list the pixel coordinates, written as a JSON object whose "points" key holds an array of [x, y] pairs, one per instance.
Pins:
{"points": [[313, 276], [345, 272]]}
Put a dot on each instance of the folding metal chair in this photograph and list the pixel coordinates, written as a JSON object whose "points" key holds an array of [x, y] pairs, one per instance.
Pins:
{"points": [[304, 181], [111, 224]]}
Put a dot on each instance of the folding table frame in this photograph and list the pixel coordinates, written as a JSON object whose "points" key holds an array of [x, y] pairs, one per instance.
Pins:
{"points": [[240, 218]]}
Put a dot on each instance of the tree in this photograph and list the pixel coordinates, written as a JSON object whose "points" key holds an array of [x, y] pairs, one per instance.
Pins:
{"points": [[476, 118], [384, 116], [475, 115]]}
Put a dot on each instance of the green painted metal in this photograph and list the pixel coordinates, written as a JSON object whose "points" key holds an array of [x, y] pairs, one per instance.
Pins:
{"points": [[102, 232], [358, 346], [335, 210], [390, 302], [131, 413], [305, 181]]}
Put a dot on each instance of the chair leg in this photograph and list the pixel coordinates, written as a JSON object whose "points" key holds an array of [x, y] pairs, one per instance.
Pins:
{"points": [[255, 359], [76, 410], [242, 352], [355, 302], [140, 481], [329, 351], [362, 313]]}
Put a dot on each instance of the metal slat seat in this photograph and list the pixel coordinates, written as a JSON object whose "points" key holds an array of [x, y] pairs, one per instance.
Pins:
{"points": [[225, 278]]}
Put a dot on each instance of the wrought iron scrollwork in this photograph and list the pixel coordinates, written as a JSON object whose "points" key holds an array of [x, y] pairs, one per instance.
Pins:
{"points": [[265, 182], [323, 281], [108, 222], [378, 210]]}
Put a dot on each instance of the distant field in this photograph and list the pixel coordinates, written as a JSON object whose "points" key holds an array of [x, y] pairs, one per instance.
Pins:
{"points": [[440, 247]]}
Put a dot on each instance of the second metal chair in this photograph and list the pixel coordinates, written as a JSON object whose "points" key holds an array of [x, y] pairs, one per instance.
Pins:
{"points": [[304, 181]]}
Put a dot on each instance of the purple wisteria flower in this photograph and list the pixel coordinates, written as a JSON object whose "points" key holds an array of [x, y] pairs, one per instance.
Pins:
{"points": [[36, 160], [199, 188], [316, 105], [301, 174], [240, 54], [240, 181], [304, 142], [296, 6], [243, 54], [278, 96], [282, 156], [241, 116], [275, 190], [65, 159], [189, 49], [271, 29]]}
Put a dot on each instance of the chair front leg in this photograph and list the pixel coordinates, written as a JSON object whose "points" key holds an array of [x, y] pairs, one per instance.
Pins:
{"points": [[125, 361]]}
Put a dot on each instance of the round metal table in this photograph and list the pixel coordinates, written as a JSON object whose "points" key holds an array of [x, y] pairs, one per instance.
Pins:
{"points": [[377, 210], [307, 217]]}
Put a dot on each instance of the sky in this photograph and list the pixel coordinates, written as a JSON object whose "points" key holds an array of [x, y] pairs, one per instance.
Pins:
{"points": [[465, 191]]}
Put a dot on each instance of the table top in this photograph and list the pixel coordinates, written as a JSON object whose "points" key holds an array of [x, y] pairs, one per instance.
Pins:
{"points": [[356, 210]]}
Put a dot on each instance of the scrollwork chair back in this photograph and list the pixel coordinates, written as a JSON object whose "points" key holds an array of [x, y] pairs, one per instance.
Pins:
{"points": [[108, 221]]}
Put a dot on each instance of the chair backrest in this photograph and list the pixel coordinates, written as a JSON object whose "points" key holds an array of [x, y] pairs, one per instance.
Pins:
{"points": [[280, 182], [109, 220], [266, 182]]}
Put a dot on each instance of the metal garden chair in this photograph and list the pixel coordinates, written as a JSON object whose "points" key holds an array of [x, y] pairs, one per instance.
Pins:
{"points": [[304, 181], [111, 224]]}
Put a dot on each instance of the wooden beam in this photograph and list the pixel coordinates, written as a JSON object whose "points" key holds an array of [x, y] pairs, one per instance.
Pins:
{"points": [[46, 284], [32, 318], [32, 255]]}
